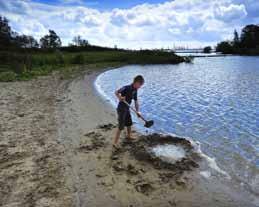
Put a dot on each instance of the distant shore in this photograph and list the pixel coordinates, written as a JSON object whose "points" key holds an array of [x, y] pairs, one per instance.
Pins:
{"points": [[31, 63]]}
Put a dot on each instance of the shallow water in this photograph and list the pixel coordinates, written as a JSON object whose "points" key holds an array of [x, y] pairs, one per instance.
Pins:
{"points": [[215, 101], [168, 152]]}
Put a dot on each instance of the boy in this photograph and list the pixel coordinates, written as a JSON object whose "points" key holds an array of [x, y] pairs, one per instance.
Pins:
{"points": [[126, 94]]}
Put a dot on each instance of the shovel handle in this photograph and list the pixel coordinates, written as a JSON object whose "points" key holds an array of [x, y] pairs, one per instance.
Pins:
{"points": [[139, 115]]}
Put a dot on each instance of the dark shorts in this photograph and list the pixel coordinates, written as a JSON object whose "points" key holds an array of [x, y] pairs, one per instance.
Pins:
{"points": [[124, 118]]}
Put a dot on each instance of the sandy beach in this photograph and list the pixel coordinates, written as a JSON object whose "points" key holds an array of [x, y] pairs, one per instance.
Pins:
{"points": [[55, 150]]}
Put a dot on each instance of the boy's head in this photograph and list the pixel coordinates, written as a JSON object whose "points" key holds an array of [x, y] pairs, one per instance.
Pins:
{"points": [[138, 81]]}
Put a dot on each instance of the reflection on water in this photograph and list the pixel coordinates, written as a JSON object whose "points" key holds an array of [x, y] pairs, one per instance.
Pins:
{"points": [[215, 101]]}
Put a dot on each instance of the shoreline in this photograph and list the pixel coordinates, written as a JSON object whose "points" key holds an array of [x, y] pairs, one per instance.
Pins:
{"points": [[183, 196], [82, 130]]}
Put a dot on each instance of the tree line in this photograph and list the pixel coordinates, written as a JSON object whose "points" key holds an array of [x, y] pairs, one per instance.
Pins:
{"points": [[23, 57], [247, 43], [10, 39]]}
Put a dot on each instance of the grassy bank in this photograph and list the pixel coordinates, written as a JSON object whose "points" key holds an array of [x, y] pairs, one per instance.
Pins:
{"points": [[24, 65]]}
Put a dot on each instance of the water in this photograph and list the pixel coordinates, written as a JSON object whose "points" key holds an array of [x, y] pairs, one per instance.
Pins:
{"points": [[215, 101], [197, 54], [169, 153]]}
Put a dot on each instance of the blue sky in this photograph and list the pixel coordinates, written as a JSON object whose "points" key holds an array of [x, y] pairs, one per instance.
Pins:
{"points": [[133, 24], [103, 4]]}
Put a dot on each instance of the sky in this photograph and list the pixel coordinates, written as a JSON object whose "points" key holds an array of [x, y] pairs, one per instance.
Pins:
{"points": [[133, 24]]}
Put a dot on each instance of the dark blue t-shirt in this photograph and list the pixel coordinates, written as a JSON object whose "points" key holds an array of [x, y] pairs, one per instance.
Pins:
{"points": [[130, 93]]}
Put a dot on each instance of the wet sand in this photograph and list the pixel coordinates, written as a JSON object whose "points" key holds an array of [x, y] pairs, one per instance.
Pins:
{"points": [[55, 143]]}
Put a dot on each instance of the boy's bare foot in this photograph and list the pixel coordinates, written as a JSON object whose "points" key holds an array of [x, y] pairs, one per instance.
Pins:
{"points": [[115, 146], [131, 138]]}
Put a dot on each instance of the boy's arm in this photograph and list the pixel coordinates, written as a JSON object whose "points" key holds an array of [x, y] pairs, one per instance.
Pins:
{"points": [[137, 107], [119, 96], [136, 103]]}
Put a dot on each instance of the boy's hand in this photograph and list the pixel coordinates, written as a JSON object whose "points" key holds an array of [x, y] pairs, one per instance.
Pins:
{"points": [[138, 114], [122, 98]]}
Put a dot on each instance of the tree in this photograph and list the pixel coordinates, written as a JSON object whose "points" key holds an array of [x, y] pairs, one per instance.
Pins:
{"points": [[32, 42], [207, 49], [44, 42], [236, 39], [26, 41], [250, 36], [78, 41], [5, 33], [52, 40], [225, 47], [246, 43]]}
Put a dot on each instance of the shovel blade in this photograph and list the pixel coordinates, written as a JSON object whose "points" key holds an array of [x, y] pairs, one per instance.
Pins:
{"points": [[148, 124]]}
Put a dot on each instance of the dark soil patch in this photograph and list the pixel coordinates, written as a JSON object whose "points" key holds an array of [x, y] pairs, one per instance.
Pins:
{"points": [[106, 127], [94, 141], [141, 150]]}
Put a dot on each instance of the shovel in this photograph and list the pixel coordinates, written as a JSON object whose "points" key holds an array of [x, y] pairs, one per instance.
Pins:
{"points": [[148, 123]]}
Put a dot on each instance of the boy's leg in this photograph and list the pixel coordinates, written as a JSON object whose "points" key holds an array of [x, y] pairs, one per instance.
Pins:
{"points": [[129, 132], [121, 123], [117, 136], [128, 124]]}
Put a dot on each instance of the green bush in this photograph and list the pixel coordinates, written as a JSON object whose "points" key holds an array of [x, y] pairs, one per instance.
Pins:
{"points": [[8, 76], [26, 65], [188, 59], [60, 58], [207, 49], [78, 59]]}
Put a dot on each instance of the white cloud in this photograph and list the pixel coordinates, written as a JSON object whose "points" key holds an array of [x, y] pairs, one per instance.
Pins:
{"points": [[230, 13], [188, 22]]}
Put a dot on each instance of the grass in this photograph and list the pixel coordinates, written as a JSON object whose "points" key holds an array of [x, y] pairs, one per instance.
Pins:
{"points": [[27, 65]]}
